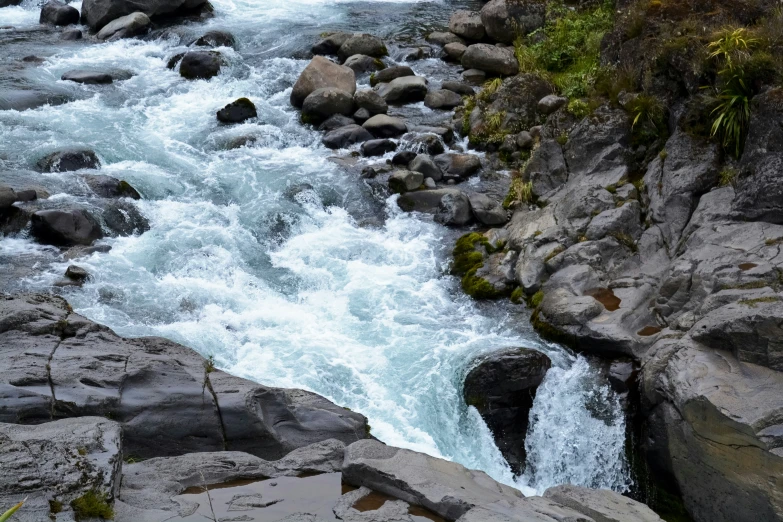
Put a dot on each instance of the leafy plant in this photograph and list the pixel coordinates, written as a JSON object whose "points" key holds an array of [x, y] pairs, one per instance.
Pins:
{"points": [[490, 88], [7, 515], [732, 51], [519, 192], [728, 177], [646, 108]]}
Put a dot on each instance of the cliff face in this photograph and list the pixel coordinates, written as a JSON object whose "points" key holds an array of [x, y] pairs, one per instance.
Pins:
{"points": [[647, 223]]}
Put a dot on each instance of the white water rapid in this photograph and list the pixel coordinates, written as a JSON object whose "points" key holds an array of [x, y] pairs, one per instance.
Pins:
{"points": [[315, 286]]}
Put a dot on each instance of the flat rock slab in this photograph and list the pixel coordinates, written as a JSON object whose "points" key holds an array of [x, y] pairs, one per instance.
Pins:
{"points": [[169, 402], [602, 505], [57, 462]]}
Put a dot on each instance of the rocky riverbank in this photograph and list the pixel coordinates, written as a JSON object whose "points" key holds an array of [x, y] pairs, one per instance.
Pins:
{"points": [[575, 146]]}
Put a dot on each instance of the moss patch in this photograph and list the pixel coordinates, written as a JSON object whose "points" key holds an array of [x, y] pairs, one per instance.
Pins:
{"points": [[759, 300], [92, 504], [468, 259]]}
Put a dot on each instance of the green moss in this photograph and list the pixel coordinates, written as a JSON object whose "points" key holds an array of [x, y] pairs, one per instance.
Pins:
{"points": [[55, 506], [728, 177], [82, 451], [536, 299], [367, 429], [92, 504], [478, 287], [759, 300], [518, 295], [558, 250], [751, 285], [562, 139], [549, 332], [477, 401], [373, 80], [626, 240]]}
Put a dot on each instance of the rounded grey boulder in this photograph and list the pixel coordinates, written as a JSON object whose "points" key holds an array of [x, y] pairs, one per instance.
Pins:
{"points": [[362, 44], [372, 101], [326, 102], [346, 136], [491, 59], [407, 89], [87, 77], [321, 73], [58, 13], [200, 65], [125, 27], [383, 126], [69, 160], [65, 227], [98, 13], [503, 20], [467, 24]]}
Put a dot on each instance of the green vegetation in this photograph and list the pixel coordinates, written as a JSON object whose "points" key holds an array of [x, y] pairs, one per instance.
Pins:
{"points": [[626, 240], [535, 301], [518, 295], [728, 177], [520, 192], [55, 506], [209, 364], [468, 259], [7, 515], [732, 51], [92, 504], [567, 49], [759, 300]]}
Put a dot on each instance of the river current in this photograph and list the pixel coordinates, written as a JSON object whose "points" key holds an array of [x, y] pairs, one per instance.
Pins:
{"points": [[275, 260]]}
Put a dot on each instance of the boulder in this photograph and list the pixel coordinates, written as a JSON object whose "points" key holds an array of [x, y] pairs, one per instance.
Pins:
{"points": [[361, 116], [65, 227], [455, 51], [321, 73], [109, 187], [98, 13], [426, 142], [487, 210], [402, 158], [491, 59], [57, 463], [77, 273], [392, 73], [624, 220], [444, 38], [503, 20], [407, 89], [216, 39], [200, 65], [372, 101], [502, 386], [346, 136], [361, 63], [402, 181], [463, 89], [467, 24], [458, 166], [7, 197], [325, 102], [551, 103], [366, 44], [474, 76], [602, 505], [442, 99], [69, 160], [378, 147], [123, 218], [87, 77], [168, 399], [454, 210], [426, 201], [125, 27], [71, 35], [331, 43], [58, 13], [561, 309], [426, 165], [237, 111], [335, 122], [383, 126]]}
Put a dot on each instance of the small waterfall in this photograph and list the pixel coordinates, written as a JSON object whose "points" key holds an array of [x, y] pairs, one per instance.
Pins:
{"points": [[577, 432]]}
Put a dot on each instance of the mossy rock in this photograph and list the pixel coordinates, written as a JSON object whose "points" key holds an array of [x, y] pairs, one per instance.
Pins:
{"points": [[92, 504]]}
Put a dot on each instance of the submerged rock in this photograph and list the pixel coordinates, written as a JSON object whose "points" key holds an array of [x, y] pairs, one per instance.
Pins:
{"points": [[125, 27], [109, 187], [69, 160], [346, 136], [216, 39], [123, 218], [88, 77], [502, 387], [98, 13]]}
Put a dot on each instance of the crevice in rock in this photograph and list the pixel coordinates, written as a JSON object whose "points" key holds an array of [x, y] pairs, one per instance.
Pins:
{"points": [[208, 385]]}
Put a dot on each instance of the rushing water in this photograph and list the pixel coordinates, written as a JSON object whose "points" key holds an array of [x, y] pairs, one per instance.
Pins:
{"points": [[276, 261]]}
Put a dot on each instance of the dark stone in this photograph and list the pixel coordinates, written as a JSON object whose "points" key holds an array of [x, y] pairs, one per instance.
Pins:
{"points": [[331, 44], [98, 13], [378, 147], [346, 136], [65, 227], [392, 73], [174, 60], [237, 111], [58, 13], [217, 39], [361, 116], [200, 65], [459, 87], [502, 388], [71, 35], [404, 157], [109, 187], [87, 77], [335, 122], [69, 160], [77, 273], [122, 218], [324, 103]]}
